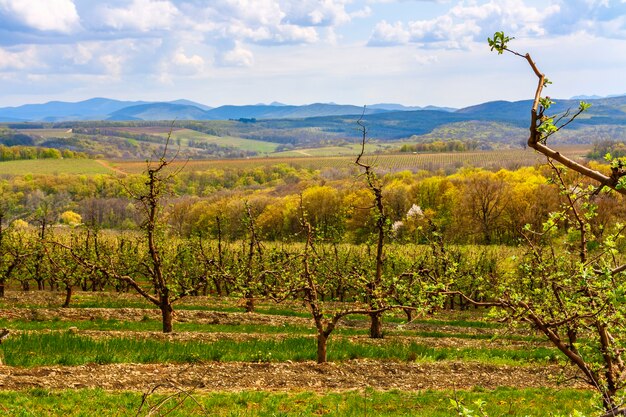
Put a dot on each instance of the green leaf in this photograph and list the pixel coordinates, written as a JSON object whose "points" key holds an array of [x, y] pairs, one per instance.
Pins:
{"points": [[499, 42]]}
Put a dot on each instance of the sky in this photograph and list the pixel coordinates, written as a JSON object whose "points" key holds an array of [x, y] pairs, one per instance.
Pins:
{"points": [[216, 52]]}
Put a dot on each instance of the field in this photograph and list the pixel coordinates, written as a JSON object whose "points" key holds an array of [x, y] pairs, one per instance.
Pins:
{"points": [[344, 150], [53, 167], [449, 162], [185, 135], [48, 133], [105, 351]]}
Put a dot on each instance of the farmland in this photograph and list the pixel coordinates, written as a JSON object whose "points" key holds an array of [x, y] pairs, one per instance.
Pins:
{"points": [[53, 167], [106, 351], [245, 340], [184, 136], [449, 162], [105, 348]]}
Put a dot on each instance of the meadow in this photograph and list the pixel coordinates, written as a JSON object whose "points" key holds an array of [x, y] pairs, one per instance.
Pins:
{"points": [[185, 136], [54, 167]]}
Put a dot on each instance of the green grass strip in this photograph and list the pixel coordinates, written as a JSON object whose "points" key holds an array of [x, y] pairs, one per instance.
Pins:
{"points": [[61, 348], [499, 402], [152, 325]]}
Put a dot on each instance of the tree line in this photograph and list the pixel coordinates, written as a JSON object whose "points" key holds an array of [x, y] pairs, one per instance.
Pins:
{"points": [[16, 153], [472, 206]]}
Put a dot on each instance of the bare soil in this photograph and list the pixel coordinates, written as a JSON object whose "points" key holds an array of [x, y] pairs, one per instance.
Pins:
{"points": [[214, 317], [285, 376]]}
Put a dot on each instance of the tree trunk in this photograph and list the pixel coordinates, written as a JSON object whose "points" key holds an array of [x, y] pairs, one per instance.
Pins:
{"points": [[166, 314], [321, 348], [68, 296], [249, 303], [376, 326], [2, 288], [608, 401], [409, 314]]}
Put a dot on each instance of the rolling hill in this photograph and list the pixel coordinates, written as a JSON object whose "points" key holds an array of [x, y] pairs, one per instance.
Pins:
{"points": [[240, 131]]}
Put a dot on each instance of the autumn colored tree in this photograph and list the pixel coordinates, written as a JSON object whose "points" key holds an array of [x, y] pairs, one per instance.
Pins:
{"points": [[484, 197]]}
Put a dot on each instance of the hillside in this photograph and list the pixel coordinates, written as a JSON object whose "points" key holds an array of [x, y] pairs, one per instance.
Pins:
{"points": [[602, 111], [261, 130]]}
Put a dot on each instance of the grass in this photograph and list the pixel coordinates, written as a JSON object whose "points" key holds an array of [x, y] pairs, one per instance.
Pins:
{"points": [[385, 162], [343, 150], [151, 325], [244, 144], [156, 326], [500, 402], [48, 133], [53, 167], [63, 348], [461, 323]]}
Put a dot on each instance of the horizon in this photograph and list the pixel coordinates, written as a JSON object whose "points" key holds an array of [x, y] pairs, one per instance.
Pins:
{"points": [[277, 104], [409, 52]]}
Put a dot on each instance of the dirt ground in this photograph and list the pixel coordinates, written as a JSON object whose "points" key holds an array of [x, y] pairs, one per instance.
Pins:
{"points": [[285, 376], [213, 317]]}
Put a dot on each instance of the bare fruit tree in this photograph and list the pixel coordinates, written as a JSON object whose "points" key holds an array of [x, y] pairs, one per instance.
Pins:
{"points": [[374, 285], [153, 271]]}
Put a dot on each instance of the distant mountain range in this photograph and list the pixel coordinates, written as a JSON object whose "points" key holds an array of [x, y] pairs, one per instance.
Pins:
{"points": [[108, 109], [604, 111]]}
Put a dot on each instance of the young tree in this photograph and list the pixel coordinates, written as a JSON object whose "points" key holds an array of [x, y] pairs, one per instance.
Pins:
{"points": [[13, 253], [574, 295], [314, 279], [374, 284], [543, 126], [154, 275]]}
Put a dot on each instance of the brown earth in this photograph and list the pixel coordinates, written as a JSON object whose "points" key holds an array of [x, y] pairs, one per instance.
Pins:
{"points": [[234, 376], [214, 317], [285, 376]]}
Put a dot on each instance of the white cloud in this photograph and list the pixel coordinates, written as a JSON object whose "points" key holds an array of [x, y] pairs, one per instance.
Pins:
{"points": [[189, 65], [401, 1], [113, 64], [426, 59], [44, 15], [142, 15], [471, 21], [82, 54], [253, 13], [238, 56], [387, 34], [316, 12], [467, 22], [362, 13], [17, 60], [180, 64], [595, 17]]}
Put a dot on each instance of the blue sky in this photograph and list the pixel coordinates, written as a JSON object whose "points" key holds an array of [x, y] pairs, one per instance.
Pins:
{"points": [[414, 52]]}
